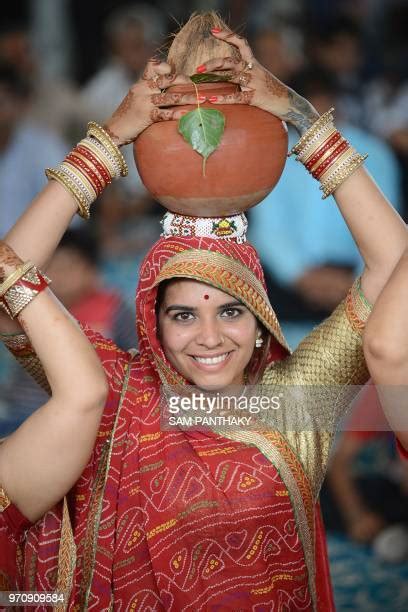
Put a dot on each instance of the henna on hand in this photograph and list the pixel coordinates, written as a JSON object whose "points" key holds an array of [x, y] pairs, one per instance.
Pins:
{"points": [[8, 260], [301, 114]]}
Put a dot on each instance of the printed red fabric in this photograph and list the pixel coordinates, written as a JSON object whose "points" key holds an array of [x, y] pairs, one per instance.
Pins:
{"points": [[179, 520]]}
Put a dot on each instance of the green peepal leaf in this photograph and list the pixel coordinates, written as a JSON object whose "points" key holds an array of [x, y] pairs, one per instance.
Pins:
{"points": [[203, 128], [210, 77]]}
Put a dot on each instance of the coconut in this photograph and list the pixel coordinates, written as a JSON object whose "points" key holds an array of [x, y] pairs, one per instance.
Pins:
{"points": [[194, 44]]}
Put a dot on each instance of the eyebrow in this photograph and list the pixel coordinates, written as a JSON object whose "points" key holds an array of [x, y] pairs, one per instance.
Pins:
{"points": [[192, 309]]}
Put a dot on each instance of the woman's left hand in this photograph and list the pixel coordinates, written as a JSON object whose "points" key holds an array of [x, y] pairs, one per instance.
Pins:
{"points": [[259, 87]]}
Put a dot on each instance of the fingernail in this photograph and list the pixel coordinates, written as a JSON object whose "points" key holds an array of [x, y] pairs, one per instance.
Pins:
{"points": [[213, 98], [202, 98], [201, 68], [216, 30]]}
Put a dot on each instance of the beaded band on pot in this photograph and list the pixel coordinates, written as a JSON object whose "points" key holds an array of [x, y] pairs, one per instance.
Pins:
{"points": [[233, 227]]}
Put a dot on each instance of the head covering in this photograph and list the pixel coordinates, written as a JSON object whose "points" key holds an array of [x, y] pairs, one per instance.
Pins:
{"points": [[224, 264]]}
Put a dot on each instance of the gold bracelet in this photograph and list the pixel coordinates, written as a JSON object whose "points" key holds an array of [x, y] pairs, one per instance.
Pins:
{"points": [[111, 163], [72, 188], [316, 143], [352, 165], [326, 155], [104, 138], [329, 173], [23, 291], [327, 117], [20, 270], [92, 167], [81, 180]]}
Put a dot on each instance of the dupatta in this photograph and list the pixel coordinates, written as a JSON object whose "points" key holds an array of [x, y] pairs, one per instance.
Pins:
{"points": [[181, 520]]}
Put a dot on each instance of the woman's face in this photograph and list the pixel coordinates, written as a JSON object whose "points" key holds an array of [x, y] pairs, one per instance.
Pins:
{"points": [[206, 334]]}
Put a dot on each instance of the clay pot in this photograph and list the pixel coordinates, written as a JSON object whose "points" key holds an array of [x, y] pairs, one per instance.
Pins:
{"points": [[239, 174]]}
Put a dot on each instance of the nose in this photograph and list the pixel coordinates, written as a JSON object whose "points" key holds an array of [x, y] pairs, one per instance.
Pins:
{"points": [[209, 334]]}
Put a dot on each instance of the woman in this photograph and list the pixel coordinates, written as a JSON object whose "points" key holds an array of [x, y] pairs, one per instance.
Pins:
{"points": [[187, 519], [71, 416], [386, 351]]}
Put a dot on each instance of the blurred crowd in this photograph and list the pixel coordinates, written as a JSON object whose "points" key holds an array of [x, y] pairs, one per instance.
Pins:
{"points": [[65, 62]]}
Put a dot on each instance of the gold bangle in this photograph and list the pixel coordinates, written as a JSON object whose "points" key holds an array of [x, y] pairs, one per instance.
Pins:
{"points": [[18, 297], [92, 167], [83, 181], [316, 142], [347, 171], [99, 150], [104, 138], [20, 270], [338, 163], [72, 188], [347, 160], [314, 145], [327, 117], [327, 154]]}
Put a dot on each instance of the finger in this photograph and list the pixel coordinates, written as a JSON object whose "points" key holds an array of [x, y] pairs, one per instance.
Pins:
{"points": [[233, 39], [166, 80], [222, 63], [166, 114], [241, 97], [172, 99], [242, 79], [149, 71]]}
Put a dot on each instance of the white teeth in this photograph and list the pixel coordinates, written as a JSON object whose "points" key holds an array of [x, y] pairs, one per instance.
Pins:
{"points": [[212, 360]]}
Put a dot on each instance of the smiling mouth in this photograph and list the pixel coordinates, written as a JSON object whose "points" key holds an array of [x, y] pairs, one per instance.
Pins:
{"points": [[212, 360]]}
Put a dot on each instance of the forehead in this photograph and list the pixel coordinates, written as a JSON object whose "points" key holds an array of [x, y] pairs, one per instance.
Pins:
{"points": [[191, 292]]}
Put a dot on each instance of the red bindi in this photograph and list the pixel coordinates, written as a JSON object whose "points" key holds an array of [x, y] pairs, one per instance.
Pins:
{"points": [[206, 296]]}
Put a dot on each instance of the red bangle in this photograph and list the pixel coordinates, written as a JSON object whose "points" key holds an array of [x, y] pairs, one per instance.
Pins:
{"points": [[15, 299], [95, 161], [325, 147], [82, 167], [332, 158]]}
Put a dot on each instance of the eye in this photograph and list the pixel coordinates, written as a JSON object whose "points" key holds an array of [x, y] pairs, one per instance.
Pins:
{"points": [[231, 313], [183, 316]]}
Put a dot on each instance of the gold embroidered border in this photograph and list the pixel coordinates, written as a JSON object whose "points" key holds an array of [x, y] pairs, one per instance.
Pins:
{"points": [[67, 556], [94, 515], [274, 447], [358, 308], [228, 275]]}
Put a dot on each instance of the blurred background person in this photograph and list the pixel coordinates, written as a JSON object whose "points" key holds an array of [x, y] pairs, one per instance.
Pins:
{"points": [[26, 148], [54, 102], [366, 489]]}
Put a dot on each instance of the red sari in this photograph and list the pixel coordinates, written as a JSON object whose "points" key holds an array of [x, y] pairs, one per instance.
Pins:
{"points": [[179, 520]]}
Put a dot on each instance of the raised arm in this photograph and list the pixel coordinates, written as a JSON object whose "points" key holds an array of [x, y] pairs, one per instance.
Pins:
{"points": [[45, 456], [386, 349], [379, 232], [37, 233]]}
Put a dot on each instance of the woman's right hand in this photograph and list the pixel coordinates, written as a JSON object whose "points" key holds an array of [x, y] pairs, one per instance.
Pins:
{"points": [[146, 103]]}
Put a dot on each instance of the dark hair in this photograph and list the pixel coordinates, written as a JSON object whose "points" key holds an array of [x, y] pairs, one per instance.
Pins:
{"points": [[83, 242], [313, 81], [11, 79]]}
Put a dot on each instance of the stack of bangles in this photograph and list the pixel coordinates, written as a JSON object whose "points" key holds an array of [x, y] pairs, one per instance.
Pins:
{"points": [[326, 154], [89, 168], [21, 287]]}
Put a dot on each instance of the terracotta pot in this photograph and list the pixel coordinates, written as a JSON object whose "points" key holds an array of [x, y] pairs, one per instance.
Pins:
{"points": [[239, 174]]}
